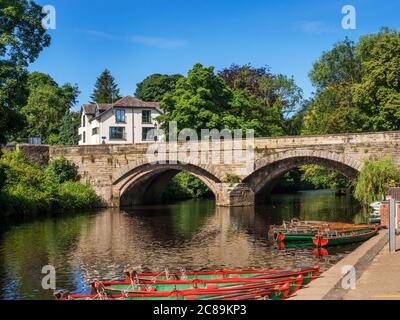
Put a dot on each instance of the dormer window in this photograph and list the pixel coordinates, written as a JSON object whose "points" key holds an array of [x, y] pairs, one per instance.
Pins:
{"points": [[120, 116]]}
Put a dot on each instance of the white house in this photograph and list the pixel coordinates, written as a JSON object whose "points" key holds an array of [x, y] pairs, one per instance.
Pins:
{"points": [[126, 121]]}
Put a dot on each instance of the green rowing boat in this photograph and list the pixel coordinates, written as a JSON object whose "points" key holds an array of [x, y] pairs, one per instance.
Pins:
{"points": [[342, 239]]}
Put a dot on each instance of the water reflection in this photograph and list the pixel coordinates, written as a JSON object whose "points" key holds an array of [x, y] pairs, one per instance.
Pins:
{"points": [[193, 234]]}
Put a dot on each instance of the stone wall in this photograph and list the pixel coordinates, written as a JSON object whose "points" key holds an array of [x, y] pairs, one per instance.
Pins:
{"points": [[39, 154]]}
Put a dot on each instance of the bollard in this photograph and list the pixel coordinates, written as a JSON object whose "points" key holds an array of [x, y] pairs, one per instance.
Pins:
{"points": [[392, 225]]}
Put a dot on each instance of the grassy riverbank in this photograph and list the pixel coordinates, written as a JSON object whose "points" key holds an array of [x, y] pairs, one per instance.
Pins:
{"points": [[25, 187]]}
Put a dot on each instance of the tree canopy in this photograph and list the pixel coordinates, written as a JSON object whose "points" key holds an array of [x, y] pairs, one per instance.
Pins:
{"points": [[239, 97], [46, 106], [105, 89], [22, 38], [154, 87]]}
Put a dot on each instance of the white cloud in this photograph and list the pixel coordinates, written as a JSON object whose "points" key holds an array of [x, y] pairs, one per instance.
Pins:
{"points": [[156, 42], [314, 26]]}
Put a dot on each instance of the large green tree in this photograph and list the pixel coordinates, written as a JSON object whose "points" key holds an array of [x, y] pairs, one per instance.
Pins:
{"points": [[199, 101], [22, 38], [46, 106], [264, 96], [154, 87], [105, 89]]}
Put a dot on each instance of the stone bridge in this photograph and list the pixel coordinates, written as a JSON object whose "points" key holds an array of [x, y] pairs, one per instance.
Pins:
{"points": [[123, 175]]}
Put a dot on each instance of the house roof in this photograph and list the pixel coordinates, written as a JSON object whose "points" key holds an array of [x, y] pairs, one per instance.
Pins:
{"points": [[127, 102]]}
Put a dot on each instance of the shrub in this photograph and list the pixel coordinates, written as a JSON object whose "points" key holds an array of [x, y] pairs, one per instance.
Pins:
{"points": [[19, 170], [75, 195], [61, 170], [2, 177]]}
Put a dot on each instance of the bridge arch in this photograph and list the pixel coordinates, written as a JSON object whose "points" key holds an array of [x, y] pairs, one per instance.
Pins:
{"points": [[146, 183], [269, 169]]}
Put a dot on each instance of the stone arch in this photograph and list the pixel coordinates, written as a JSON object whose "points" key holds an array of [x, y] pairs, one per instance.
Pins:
{"points": [[146, 183], [268, 169]]}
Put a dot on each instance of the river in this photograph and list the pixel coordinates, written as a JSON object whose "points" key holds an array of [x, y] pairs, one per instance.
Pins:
{"points": [[191, 234]]}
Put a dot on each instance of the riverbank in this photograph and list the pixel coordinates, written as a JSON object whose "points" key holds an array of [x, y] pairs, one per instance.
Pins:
{"points": [[329, 285]]}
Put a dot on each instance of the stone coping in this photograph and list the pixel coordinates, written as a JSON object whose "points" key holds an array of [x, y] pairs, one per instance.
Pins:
{"points": [[328, 286]]}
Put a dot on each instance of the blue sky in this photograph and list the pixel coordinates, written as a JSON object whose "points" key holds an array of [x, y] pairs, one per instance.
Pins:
{"points": [[137, 38]]}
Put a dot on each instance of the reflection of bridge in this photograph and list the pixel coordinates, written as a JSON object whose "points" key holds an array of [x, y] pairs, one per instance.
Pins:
{"points": [[122, 174]]}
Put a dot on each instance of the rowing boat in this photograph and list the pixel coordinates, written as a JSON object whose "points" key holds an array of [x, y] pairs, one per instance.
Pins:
{"points": [[228, 280], [305, 231], [204, 290], [278, 292], [341, 239], [236, 275]]}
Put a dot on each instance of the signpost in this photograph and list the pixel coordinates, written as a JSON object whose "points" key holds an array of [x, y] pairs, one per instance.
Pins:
{"points": [[392, 225]]}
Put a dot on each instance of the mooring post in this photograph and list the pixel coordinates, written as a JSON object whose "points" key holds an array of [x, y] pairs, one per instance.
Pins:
{"points": [[392, 225]]}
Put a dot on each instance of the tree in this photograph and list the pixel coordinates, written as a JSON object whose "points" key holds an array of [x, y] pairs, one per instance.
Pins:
{"points": [[374, 180], [22, 38], [105, 89], [197, 102], [154, 87], [69, 126], [46, 106], [272, 98], [378, 92]]}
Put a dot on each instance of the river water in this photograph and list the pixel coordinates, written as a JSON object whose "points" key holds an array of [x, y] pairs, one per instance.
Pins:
{"points": [[192, 234]]}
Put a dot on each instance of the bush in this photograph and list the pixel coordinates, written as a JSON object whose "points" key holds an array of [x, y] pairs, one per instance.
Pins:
{"points": [[28, 188], [60, 170], [75, 195], [19, 170]]}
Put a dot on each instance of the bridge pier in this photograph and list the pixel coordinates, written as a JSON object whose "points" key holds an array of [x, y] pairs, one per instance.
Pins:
{"points": [[235, 195]]}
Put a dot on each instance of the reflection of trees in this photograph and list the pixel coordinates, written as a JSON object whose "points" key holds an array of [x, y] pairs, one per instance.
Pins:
{"points": [[192, 234], [28, 247]]}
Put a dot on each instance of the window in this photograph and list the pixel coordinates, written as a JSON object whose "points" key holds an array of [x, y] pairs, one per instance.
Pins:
{"points": [[146, 116], [120, 116], [95, 131], [149, 134], [84, 137], [117, 133], [83, 121]]}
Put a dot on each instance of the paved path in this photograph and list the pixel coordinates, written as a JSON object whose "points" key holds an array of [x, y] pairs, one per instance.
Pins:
{"points": [[381, 279], [329, 285]]}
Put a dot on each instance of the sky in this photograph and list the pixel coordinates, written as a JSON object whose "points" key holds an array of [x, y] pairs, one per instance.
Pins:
{"points": [[135, 39]]}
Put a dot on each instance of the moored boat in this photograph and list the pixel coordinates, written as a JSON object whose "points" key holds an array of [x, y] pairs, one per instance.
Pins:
{"points": [[305, 231], [341, 239]]}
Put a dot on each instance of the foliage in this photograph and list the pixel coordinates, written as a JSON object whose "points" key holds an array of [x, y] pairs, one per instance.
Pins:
{"points": [[46, 105], [60, 170], [374, 180], [29, 188], [323, 178], [185, 186], [231, 179], [204, 100], [154, 87], [69, 126], [358, 86], [75, 195], [105, 89], [22, 38], [272, 98], [378, 92], [292, 181]]}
